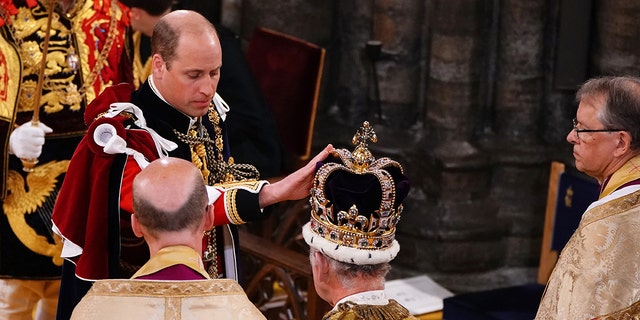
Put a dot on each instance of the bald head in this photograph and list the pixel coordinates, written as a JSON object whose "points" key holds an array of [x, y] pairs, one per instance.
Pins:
{"points": [[169, 195]]}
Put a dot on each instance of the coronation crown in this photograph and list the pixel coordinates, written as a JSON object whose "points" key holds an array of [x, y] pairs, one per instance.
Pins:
{"points": [[354, 200]]}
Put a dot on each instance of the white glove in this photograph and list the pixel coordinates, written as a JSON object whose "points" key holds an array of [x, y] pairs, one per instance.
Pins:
{"points": [[26, 140]]}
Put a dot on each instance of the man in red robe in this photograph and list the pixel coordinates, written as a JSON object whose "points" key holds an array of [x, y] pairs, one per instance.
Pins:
{"points": [[175, 113]]}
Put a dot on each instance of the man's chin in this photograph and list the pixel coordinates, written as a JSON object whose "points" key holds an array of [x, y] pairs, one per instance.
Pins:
{"points": [[578, 166], [200, 109]]}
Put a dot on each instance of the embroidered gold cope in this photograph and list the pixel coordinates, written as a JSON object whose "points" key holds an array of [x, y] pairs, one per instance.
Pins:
{"points": [[598, 271], [159, 300], [351, 311]]}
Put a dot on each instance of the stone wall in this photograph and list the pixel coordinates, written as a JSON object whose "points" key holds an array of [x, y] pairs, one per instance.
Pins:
{"points": [[467, 101]]}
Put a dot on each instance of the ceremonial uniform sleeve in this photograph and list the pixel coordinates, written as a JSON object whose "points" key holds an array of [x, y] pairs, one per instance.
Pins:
{"points": [[131, 170], [236, 203], [239, 202]]}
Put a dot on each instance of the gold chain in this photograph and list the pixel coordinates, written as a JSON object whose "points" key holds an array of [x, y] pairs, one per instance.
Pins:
{"points": [[199, 154], [200, 144], [199, 159], [214, 170], [211, 253]]}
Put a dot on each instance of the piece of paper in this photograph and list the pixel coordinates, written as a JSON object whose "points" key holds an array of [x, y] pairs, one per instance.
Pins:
{"points": [[418, 294]]}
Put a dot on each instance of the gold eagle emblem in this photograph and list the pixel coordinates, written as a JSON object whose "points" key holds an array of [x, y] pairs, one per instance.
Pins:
{"points": [[36, 196]]}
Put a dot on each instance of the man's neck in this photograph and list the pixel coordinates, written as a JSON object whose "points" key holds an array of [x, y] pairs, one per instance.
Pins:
{"points": [[155, 90], [169, 239], [359, 287], [371, 297]]}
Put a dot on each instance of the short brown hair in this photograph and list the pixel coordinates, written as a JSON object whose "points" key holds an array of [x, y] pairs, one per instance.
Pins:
{"points": [[166, 35]]}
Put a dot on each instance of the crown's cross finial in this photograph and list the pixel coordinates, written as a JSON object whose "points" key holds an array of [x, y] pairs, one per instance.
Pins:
{"points": [[361, 154], [363, 134]]}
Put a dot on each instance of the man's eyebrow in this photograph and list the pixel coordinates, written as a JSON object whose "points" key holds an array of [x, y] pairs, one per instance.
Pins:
{"points": [[192, 70]]}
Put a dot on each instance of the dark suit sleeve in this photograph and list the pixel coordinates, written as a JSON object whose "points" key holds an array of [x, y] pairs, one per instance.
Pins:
{"points": [[252, 133]]}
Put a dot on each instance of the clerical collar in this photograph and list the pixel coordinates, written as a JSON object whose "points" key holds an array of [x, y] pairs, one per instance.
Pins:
{"points": [[192, 120], [628, 174], [170, 256], [375, 297]]}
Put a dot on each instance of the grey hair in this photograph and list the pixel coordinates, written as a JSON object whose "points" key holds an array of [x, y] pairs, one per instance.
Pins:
{"points": [[622, 103], [348, 274]]}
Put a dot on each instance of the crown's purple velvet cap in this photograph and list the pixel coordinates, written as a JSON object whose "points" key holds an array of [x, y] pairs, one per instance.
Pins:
{"points": [[344, 189]]}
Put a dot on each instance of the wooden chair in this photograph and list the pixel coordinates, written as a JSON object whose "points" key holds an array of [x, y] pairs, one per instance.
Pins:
{"points": [[288, 71], [282, 286], [568, 197]]}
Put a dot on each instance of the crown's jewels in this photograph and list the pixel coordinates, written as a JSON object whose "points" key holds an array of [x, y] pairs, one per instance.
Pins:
{"points": [[350, 226]]}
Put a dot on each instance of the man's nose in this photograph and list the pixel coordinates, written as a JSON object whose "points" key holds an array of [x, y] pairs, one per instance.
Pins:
{"points": [[208, 87], [572, 137]]}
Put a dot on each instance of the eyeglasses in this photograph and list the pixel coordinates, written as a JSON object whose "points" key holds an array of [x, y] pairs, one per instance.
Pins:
{"points": [[578, 131]]}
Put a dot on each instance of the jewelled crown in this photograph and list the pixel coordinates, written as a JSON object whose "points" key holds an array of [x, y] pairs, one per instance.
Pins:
{"points": [[356, 202]]}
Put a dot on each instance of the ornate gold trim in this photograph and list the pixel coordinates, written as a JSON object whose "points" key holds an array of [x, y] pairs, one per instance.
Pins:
{"points": [[230, 206], [148, 288]]}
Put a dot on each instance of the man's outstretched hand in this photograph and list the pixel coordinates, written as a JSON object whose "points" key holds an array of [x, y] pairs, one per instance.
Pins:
{"points": [[295, 186]]}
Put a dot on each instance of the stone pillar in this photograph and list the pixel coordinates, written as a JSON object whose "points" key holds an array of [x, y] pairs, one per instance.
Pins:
{"points": [[520, 171], [397, 25], [617, 50], [464, 218], [307, 20], [353, 103]]}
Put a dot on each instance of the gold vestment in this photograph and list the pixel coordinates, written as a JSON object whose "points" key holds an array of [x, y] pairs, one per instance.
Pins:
{"points": [[149, 300], [598, 271], [351, 311]]}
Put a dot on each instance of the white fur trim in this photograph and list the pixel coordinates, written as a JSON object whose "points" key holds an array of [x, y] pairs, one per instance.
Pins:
{"points": [[348, 254]]}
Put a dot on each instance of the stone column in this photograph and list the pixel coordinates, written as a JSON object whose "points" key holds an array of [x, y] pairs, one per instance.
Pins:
{"points": [[397, 25], [520, 170], [463, 218], [617, 49]]}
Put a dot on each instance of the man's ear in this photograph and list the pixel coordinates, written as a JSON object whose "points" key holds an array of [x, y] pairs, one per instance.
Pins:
{"points": [[209, 217], [158, 66], [136, 226], [321, 263], [623, 145]]}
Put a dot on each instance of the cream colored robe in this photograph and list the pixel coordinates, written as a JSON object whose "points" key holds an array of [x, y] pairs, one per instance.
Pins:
{"points": [[155, 299], [598, 271]]}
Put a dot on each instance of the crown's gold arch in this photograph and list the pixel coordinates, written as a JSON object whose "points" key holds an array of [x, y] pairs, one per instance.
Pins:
{"points": [[353, 228]]}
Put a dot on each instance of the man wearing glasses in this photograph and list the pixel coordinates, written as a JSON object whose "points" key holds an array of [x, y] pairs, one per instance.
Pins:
{"points": [[598, 271]]}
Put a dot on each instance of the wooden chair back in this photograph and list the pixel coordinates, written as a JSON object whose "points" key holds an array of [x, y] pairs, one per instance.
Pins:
{"points": [[568, 197]]}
